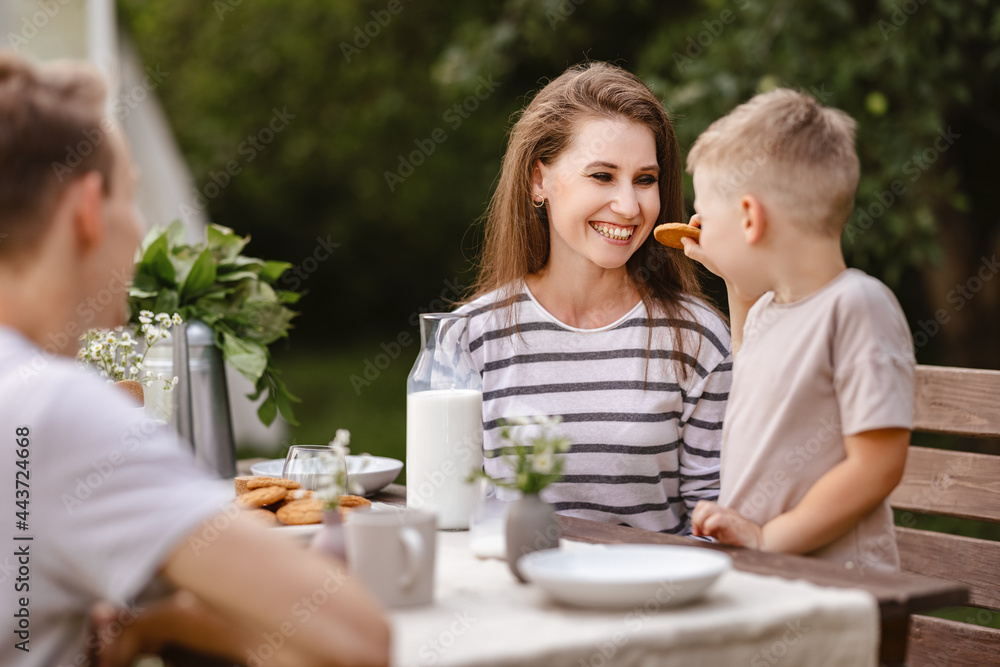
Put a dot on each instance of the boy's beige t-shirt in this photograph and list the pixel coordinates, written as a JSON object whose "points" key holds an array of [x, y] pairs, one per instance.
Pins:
{"points": [[838, 362]]}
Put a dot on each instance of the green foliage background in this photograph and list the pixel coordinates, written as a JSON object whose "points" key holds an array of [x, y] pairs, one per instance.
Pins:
{"points": [[905, 70]]}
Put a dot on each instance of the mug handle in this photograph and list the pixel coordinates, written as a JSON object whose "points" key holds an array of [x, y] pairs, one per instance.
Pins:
{"points": [[413, 547]]}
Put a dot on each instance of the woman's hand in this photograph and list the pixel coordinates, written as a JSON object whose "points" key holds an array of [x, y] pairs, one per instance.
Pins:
{"points": [[726, 525]]}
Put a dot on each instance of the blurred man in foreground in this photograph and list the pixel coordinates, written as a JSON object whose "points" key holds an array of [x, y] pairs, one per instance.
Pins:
{"points": [[101, 503]]}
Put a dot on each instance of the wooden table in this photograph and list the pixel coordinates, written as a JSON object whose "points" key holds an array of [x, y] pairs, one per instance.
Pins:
{"points": [[899, 595]]}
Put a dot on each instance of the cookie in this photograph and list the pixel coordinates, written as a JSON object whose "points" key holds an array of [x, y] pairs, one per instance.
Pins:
{"points": [[260, 482], [263, 515], [350, 503], [671, 233], [301, 512], [267, 495]]}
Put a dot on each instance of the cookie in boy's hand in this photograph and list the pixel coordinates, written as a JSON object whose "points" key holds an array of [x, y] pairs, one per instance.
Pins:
{"points": [[671, 233]]}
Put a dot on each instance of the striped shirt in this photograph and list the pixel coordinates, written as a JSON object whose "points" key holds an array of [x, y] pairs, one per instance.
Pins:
{"points": [[645, 438]]}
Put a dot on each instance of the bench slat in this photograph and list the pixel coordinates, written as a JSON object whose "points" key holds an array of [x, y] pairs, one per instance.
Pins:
{"points": [[965, 560], [937, 641], [958, 484], [957, 401]]}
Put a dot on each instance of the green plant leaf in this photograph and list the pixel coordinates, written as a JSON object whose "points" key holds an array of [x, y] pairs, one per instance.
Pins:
{"points": [[176, 232], [273, 270], [267, 411], [136, 293], [201, 277], [289, 297], [168, 301], [247, 356], [160, 265], [236, 275], [224, 243]]}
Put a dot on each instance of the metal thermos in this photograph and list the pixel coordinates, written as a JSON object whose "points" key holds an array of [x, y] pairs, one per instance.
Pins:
{"points": [[201, 409]]}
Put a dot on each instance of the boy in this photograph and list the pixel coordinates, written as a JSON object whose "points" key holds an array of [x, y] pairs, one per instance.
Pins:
{"points": [[109, 503], [821, 407]]}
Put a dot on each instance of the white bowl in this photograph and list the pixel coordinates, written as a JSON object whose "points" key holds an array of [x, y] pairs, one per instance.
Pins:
{"points": [[625, 575], [372, 473]]}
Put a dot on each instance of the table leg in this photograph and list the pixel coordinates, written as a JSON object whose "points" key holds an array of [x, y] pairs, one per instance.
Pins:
{"points": [[895, 636]]}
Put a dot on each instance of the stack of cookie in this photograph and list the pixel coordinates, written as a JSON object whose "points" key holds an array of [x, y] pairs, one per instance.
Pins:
{"points": [[283, 501]]}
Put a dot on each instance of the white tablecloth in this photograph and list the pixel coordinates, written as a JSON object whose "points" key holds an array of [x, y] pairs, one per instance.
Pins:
{"points": [[482, 616]]}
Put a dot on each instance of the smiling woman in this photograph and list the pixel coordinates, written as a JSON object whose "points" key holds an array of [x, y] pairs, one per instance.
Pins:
{"points": [[579, 312]]}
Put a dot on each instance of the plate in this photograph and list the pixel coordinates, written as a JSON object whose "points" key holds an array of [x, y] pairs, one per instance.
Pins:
{"points": [[372, 473], [624, 575]]}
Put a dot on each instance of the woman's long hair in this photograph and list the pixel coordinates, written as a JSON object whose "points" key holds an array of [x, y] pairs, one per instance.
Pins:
{"points": [[517, 233]]}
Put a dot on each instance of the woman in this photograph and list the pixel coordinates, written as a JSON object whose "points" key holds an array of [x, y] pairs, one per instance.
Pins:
{"points": [[579, 312]]}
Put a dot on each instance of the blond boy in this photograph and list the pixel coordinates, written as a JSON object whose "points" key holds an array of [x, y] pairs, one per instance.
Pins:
{"points": [[821, 407]]}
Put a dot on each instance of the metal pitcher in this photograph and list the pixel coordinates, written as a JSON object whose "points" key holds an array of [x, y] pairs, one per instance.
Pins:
{"points": [[201, 413]]}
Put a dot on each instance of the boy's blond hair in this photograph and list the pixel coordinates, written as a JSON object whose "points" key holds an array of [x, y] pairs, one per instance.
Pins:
{"points": [[791, 150]]}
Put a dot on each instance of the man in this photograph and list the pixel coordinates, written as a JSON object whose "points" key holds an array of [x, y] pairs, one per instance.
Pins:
{"points": [[101, 504]]}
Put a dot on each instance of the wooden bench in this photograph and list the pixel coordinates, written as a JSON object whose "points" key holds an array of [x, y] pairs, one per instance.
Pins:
{"points": [[963, 402]]}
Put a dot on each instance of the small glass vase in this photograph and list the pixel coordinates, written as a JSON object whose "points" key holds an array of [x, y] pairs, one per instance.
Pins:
{"points": [[531, 526], [331, 540]]}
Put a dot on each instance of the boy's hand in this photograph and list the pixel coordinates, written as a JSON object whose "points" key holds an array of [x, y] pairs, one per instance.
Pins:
{"points": [[693, 250], [726, 525]]}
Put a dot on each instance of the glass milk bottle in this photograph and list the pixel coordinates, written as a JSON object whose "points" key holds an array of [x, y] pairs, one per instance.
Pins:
{"points": [[444, 422]]}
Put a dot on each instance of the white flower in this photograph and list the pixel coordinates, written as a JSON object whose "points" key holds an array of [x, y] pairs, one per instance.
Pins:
{"points": [[133, 371], [545, 420], [126, 340], [145, 317], [543, 463], [159, 376], [342, 437], [177, 319], [517, 421], [96, 348]]}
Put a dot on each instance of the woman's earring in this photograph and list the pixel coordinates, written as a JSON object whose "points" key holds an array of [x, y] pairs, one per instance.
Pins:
{"points": [[538, 203]]}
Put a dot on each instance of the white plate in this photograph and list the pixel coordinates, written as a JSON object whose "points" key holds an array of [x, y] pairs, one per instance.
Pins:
{"points": [[372, 473], [624, 575]]}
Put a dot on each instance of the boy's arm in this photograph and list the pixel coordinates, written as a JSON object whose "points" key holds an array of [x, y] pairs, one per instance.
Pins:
{"points": [[836, 502], [842, 497], [253, 577]]}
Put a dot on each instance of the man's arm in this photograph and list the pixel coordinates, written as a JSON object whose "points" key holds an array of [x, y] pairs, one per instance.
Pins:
{"points": [[836, 502], [250, 575]]}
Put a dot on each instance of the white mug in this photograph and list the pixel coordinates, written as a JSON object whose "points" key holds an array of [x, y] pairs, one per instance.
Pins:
{"points": [[393, 552]]}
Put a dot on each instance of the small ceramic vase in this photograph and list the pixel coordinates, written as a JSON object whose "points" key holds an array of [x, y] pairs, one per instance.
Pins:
{"points": [[331, 539], [531, 526]]}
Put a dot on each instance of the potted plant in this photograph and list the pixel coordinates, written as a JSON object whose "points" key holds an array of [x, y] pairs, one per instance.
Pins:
{"points": [[115, 354], [235, 295], [534, 464]]}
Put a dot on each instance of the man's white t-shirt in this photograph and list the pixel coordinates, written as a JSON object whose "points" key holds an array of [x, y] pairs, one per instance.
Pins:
{"points": [[110, 495]]}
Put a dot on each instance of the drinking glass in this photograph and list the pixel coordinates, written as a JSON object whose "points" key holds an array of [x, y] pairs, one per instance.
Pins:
{"points": [[312, 466]]}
